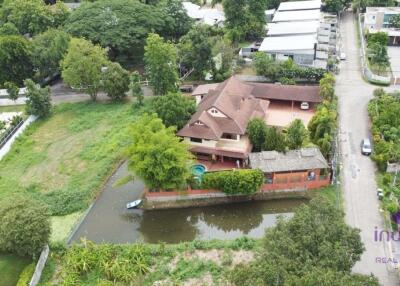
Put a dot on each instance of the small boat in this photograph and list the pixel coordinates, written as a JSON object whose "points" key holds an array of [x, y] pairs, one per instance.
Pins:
{"points": [[133, 204]]}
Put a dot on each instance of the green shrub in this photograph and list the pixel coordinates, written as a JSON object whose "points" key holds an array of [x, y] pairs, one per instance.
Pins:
{"points": [[24, 226], [234, 182], [26, 275]]}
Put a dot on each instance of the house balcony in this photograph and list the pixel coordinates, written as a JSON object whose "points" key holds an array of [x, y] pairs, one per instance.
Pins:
{"points": [[242, 145]]}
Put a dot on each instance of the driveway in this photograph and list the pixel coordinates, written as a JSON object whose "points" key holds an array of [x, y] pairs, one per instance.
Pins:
{"points": [[394, 54], [358, 172]]}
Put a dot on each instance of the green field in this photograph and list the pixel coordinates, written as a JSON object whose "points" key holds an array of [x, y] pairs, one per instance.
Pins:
{"points": [[10, 268], [12, 108], [65, 159]]}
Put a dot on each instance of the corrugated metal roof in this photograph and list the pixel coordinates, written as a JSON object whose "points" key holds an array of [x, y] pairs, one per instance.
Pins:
{"points": [[293, 160]]}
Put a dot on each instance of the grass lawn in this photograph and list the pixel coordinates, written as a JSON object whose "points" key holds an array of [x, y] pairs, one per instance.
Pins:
{"points": [[12, 108], [10, 268], [65, 159], [62, 226]]}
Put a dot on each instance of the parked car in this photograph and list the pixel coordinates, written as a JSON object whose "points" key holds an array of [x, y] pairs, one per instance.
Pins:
{"points": [[342, 56], [304, 105], [379, 193], [366, 148]]}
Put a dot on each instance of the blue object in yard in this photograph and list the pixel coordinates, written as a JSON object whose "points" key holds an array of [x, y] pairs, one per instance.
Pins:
{"points": [[198, 171]]}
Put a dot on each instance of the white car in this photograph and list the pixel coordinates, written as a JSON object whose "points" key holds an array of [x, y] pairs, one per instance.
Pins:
{"points": [[366, 148], [342, 56], [304, 105]]}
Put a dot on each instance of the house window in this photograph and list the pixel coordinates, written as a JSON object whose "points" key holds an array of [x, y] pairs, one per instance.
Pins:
{"points": [[196, 140], [229, 136], [311, 176]]}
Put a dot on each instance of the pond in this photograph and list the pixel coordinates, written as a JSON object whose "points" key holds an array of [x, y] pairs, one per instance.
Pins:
{"points": [[110, 221]]}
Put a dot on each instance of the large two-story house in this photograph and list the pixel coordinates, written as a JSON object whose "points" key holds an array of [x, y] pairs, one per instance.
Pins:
{"points": [[217, 131]]}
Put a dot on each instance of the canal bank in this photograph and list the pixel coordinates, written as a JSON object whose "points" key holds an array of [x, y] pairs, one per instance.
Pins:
{"points": [[203, 198], [109, 220]]}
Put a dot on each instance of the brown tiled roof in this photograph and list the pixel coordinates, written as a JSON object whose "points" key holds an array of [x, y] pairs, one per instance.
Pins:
{"points": [[233, 98], [204, 88], [239, 101], [272, 91]]}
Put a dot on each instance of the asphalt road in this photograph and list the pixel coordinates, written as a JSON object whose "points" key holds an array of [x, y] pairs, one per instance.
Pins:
{"points": [[358, 171]]}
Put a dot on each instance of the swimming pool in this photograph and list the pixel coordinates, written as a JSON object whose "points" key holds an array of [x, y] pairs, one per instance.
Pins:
{"points": [[198, 170]]}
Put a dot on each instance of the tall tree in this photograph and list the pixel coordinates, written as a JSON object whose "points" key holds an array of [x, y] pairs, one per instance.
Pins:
{"points": [[24, 226], [12, 90], [246, 17], [296, 134], [48, 49], [136, 88], [38, 100], [177, 22], [161, 68], [15, 59], [174, 109], [157, 156], [120, 25], [314, 247], [115, 81], [195, 51], [33, 16], [257, 132], [83, 65], [326, 87], [274, 140]]}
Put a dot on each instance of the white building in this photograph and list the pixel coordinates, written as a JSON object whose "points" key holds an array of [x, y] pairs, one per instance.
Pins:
{"points": [[301, 48], [209, 16], [293, 28], [377, 19], [297, 16], [300, 5]]}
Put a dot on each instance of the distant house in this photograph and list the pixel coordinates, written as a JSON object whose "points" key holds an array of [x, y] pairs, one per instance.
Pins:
{"points": [[296, 169], [217, 130], [377, 19], [301, 32]]}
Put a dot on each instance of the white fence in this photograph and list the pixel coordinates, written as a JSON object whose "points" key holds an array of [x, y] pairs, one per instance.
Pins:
{"points": [[368, 74], [40, 266]]}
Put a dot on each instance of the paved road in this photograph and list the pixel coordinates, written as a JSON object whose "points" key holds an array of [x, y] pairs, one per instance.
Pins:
{"points": [[61, 93], [358, 179], [394, 54]]}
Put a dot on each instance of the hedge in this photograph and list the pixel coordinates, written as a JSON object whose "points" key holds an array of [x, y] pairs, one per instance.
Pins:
{"points": [[26, 275], [234, 182]]}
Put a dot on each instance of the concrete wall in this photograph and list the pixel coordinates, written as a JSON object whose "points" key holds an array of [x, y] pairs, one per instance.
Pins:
{"points": [[197, 198], [40, 266]]}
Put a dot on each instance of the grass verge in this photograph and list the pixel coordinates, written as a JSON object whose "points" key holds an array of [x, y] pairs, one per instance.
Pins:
{"points": [[11, 267]]}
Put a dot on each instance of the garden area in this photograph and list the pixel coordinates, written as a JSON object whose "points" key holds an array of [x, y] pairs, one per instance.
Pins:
{"points": [[383, 110], [63, 160], [377, 53]]}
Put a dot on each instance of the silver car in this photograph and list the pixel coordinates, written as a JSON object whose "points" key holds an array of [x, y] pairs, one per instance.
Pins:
{"points": [[366, 148]]}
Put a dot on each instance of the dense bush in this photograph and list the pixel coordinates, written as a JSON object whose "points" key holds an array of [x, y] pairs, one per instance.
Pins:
{"points": [[314, 247], [234, 182], [287, 71], [24, 226], [384, 112], [110, 262]]}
